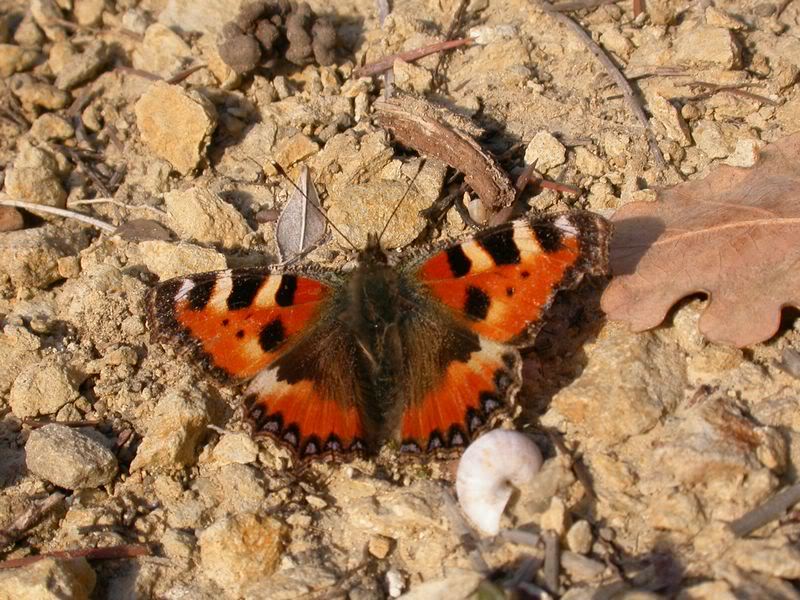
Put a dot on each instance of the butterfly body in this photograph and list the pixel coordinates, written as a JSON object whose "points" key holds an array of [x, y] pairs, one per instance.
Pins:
{"points": [[422, 350]]}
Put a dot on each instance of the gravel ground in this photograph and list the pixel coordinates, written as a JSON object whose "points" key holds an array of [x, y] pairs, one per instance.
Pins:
{"points": [[653, 442]]}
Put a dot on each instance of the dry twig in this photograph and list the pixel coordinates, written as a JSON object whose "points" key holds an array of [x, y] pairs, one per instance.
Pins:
{"points": [[104, 553], [627, 91], [386, 62], [552, 561], [769, 511], [730, 89], [61, 212], [580, 5], [29, 518]]}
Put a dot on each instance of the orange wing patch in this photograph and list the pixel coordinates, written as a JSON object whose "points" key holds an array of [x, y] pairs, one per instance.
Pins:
{"points": [[299, 415], [238, 321], [499, 283], [465, 401]]}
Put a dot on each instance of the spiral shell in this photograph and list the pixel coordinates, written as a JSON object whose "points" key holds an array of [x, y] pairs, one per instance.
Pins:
{"points": [[488, 472]]}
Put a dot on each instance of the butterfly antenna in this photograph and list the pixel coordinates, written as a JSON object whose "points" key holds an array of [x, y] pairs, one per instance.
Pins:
{"points": [[281, 171], [403, 197]]}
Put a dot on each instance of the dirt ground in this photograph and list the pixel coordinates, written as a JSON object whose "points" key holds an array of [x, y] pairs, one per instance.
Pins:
{"points": [[653, 442]]}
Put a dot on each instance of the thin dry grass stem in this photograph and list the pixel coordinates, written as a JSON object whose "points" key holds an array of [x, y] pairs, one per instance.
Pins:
{"points": [[455, 24], [29, 518], [181, 75], [91, 201], [627, 91], [772, 509], [735, 90], [37, 423], [581, 5], [105, 553], [99, 183], [61, 212], [387, 62]]}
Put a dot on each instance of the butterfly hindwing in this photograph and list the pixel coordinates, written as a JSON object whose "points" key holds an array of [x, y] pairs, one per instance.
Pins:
{"points": [[309, 398], [500, 282]]}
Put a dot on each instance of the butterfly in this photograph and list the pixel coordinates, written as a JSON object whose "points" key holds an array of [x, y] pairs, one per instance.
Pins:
{"points": [[417, 348]]}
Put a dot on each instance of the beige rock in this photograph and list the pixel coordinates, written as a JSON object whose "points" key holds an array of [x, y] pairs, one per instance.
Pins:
{"points": [[706, 46], [170, 259], [589, 163], [295, 149], [200, 215], [545, 152], [28, 32], [556, 517], [29, 257], [412, 78], [253, 155], [380, 546], [14, 59], [709, 138], [581, 568], [626, 387], [708, 590], [746, 153], [34, 178], [579, 537], [46, 13], [719, 18], [678, 511], [19, 348], [83, 66], [162, 51], [51, 126], [88, 12], [208, 16], [164, 109], [48, 579], [42, 389], [33, 93], [241, 551], [235, 448], [670, 117], [455, 584], [766, 556], [238, 489], [69, 458], [173, 433]]}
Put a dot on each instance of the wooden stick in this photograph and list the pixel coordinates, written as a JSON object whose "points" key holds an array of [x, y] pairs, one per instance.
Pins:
{"points": [[104, 553], [627, 91], [552, 561]]}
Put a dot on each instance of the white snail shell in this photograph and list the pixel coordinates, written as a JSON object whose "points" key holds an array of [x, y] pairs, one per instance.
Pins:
{"points": [[487, 471]]}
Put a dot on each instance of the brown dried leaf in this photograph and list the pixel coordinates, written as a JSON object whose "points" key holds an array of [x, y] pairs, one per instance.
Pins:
{"points": [[733, 235], [301, 225], [435, 131]]}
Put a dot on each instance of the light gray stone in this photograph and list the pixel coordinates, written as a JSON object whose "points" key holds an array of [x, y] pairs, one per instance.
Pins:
{"points": [[69, 458], [200, 215], [42, 389]]}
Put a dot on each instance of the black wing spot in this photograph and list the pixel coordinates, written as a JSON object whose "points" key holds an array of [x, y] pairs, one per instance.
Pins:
{"points": [[548, 235], [509, 291], [200, 295], [225, 322], [285, 294], [501, 247], [477, 303], [240, 334], [525, 274], [459, 262], [243, 290], [272, 335]]}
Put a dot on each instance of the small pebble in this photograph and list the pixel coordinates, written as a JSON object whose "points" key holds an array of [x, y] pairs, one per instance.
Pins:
{"points": [[69, 458], [380, 546]]}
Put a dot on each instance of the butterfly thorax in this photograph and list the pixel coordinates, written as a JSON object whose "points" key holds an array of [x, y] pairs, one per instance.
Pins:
{"points": [[374, 315]]}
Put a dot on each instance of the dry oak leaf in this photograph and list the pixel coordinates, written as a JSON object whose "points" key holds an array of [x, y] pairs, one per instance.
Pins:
{"points": [[734, 236]]}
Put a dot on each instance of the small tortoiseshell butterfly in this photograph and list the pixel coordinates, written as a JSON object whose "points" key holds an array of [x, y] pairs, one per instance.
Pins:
{"points": [[422, 350]]}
